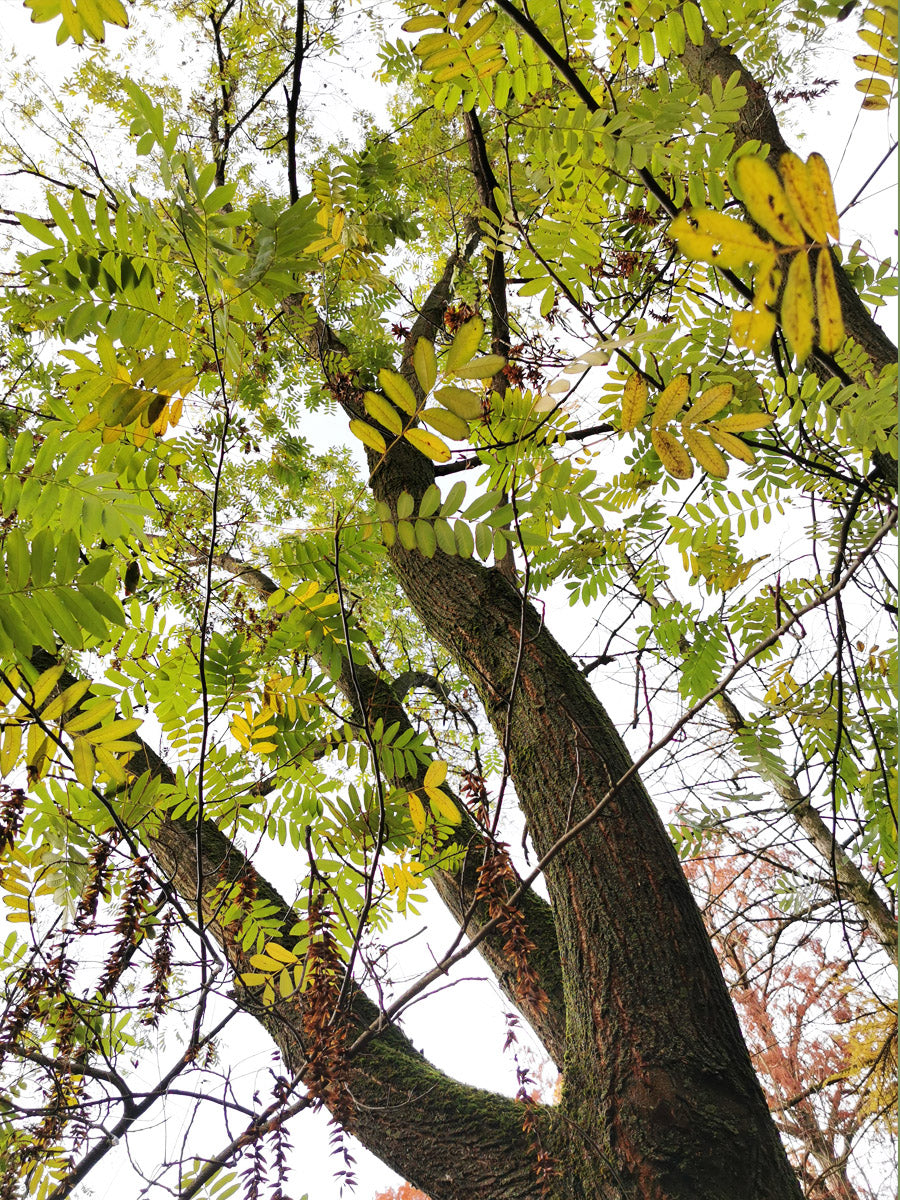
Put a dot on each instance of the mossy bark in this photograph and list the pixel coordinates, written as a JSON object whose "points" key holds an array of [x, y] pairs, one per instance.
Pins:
{"points": [[659, 1090]]}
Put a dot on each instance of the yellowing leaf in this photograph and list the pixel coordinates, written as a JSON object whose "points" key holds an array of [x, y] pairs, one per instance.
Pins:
{"points": [[83, 761], [767, 283], [876, 64], [742, 422], [383, 412], [732, 444], [828, 304], [874, 87], [671, 401], [803, 195], [252, 978], [111, 765], [91, 715], [461, 401], [12, 743], [277, 952], [436, 774], [466, 342], [765, 200], [797, 308], [112, 732], [820, 177], [709, 403], [368, 436], [444, 805], [706, 452], [481, 368], [753, 329], [398, 390], [672, 454], [716, 238], [429, 445], [425, 364], [634, 401], [416, 812], [266, 962], [447, 423]]}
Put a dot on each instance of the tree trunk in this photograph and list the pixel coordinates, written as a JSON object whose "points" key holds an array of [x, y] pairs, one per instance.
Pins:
{"points": [[659, 1091]]}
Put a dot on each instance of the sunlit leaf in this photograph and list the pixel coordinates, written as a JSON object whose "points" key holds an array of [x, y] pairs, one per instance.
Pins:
{"points": [[765, 200], [672, 454]]}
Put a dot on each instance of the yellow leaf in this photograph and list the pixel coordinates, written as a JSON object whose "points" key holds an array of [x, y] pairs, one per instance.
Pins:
{"points": [[874, 103], [368, 436], [265, 962], [706, 453], [425, 363], [634, 401], [112, 732], [65, 700], [461, 401], [803, 196], [716, 238], [12, 744], [416, 812], [765, 200], [436, 773], [753, 329], [44, 685], [732, 444], [466, 342], [767, 283], [828, 304], [671, 401], [91, 715], [742, 422], [481, 368], [712, 401], [429, 445], [817, 168], [83, 761], [672, 454], [874, 87], [398, 390], [280, 953], [383, 412], [797, 308], [444, 805], [252, 978], [876, 64]]}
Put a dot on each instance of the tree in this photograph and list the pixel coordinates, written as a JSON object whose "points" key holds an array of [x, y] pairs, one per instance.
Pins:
{"points": [[215, 636]]}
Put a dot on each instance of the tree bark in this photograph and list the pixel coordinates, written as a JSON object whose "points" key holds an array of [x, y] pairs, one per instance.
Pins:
{"points": [[657, 1073]]}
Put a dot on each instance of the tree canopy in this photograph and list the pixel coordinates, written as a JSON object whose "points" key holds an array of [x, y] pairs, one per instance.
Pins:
{"points": [[313, 436]]}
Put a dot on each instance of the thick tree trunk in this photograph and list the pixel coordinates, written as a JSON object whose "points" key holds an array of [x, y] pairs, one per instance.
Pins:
{"points": [[659, 1089]]}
